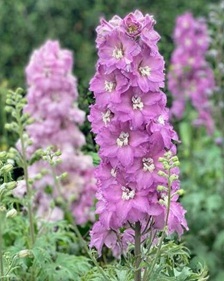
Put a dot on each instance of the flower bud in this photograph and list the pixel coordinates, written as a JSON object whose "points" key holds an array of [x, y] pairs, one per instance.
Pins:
{"points": [[180, 192], [63, 176], [6, 169], [58, 153], [38, 176], [168, 154], [8, 126], [175, 158], [161, 188], [30, 120], [11, 185], [2, 209], [176, 164], [162, 174], [9, 101], [162, 202], [18, 92], [166, 166], [11, 214], [8, 109], [162, 159], [173, 177], [13, 151], [3, 154], [56, 162], [2, 188], [25, 253]]}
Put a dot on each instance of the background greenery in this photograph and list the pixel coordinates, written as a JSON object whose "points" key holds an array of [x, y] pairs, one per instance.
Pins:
{"points": [[27, 24]]}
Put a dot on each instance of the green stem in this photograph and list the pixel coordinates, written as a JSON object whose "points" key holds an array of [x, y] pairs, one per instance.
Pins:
{"points": [[28, 189], [75, 228], [1, 251], [147, 276], [137, 251], [91, 256]]}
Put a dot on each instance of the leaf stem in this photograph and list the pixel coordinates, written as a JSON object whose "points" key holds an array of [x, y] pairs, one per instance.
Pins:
{"points": [[147, 276], [1, 252], [137, 251], [75, 228], [28, 189]]}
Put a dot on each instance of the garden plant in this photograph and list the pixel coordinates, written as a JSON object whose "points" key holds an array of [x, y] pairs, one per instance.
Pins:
{"points": [[114, 175]]}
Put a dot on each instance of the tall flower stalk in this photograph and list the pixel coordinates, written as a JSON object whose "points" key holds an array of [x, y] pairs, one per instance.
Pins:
{"points": [[15, 103], [6, 187], [52, 103], [130, 120], [216, 27], [190, 76], [1, 248]]}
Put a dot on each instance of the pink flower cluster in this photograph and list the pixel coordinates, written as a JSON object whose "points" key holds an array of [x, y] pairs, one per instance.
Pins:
{"points": [[130, 120], [190, 76], [52, 102]]}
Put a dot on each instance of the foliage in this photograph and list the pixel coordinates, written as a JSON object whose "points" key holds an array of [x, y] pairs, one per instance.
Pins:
{"points": [[57, 252], [173, 265], [202, 178], [73, 23], [46, 248]]}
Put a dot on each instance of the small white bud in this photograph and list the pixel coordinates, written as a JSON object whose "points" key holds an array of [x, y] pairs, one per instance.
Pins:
{"points": [[162, 174], [11, 214], [25, 253], [180, 192], [3, 154], [6, 169], [11, 185], [161, 188]]}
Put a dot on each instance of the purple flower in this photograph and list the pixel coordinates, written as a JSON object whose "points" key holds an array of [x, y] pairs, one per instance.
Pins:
{"points": [[125, 204], [118, 51], [107, 87], [52, 102], [145, 169], [148, 71], [138, 107], [190, 77], [132, 130], [122, 143], [132, 25]]}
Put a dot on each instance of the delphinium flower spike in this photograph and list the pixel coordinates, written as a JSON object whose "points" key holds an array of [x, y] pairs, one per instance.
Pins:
{"points": [[52, 103], [190, 77], [130, 120]]}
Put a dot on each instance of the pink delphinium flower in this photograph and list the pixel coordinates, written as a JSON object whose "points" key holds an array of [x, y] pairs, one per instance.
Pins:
{"points": [[132, 129], [190, 77], [52, 102]]}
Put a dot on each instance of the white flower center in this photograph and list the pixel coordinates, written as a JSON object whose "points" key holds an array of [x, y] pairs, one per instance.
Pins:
{"points": [[137, 103], [201, 42], [117, 53], [127, 193], [106, 117], [191, 60], [148, 165], [161, 120], [113, 172], [188, 42], [185, 24], [145, 71], [108, 86], [123, 139]]}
